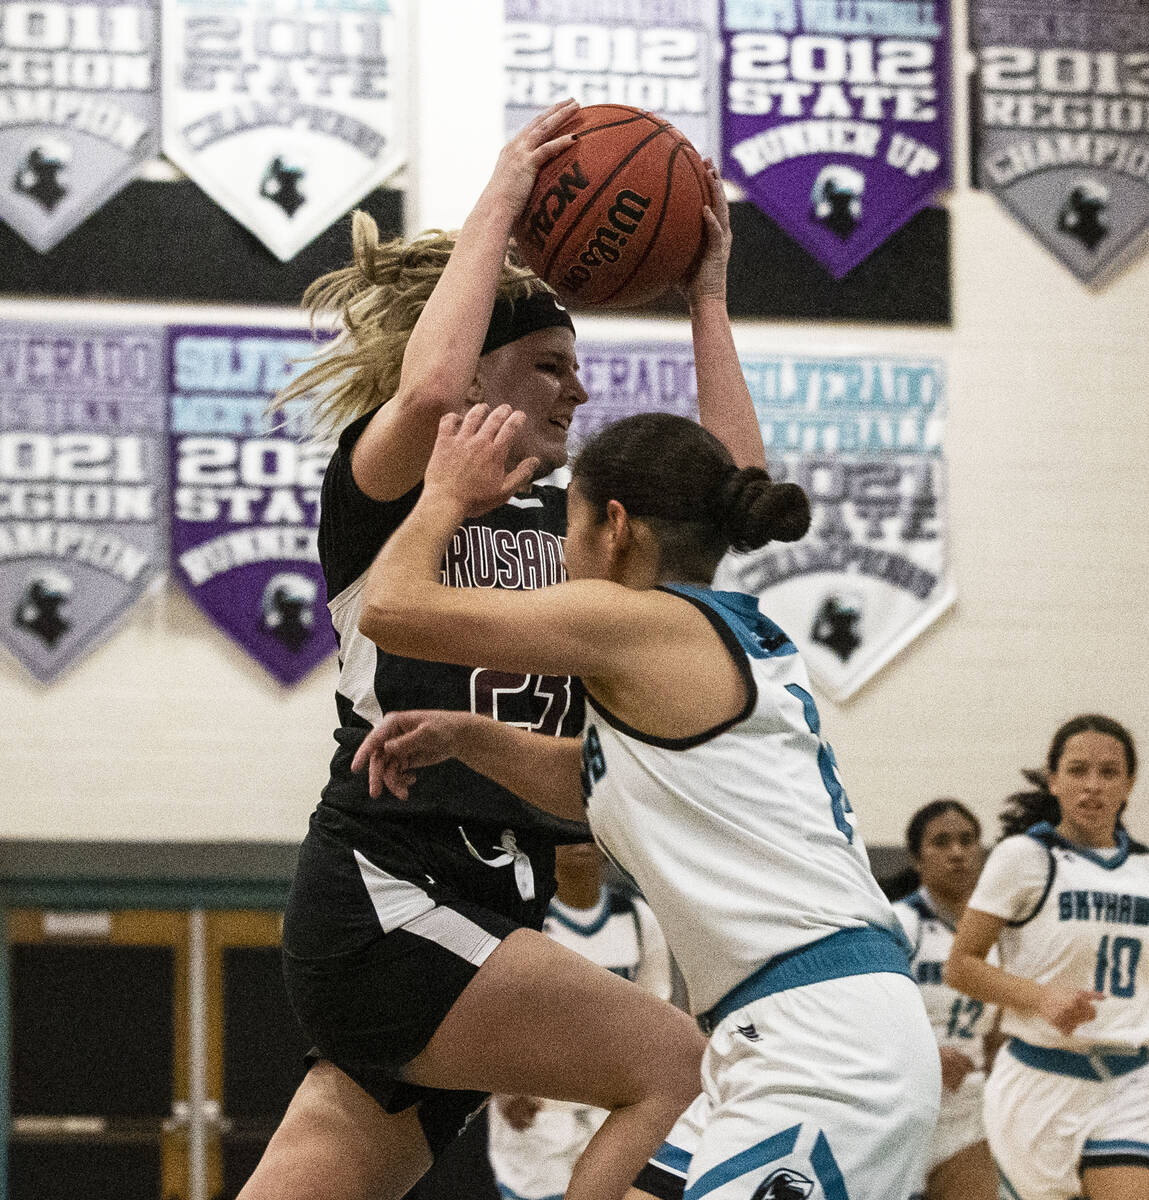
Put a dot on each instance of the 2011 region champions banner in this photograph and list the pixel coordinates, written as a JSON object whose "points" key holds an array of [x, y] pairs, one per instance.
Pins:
{"points": [[657, 55], [245, 494], [865, 437], [285, 115], [836, 117], [1061, 123], [83, 485]]}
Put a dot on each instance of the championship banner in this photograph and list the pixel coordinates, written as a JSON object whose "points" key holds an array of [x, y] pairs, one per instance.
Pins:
{"points": [[865, 437], [836, 117], [286, 112], [83, 485], [79, 109], [657, 55], [1061, 122], [245, 493]]}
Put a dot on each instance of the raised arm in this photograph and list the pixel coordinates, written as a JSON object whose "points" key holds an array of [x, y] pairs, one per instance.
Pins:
{"points": [[967, 970], [442, 353], [542, 770], [724, 404]]}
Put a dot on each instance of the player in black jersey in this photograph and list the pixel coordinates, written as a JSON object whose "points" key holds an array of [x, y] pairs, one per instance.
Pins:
{"points": [[410, 950]]}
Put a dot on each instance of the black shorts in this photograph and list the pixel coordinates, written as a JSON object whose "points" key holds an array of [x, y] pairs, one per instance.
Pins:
{"points": [[381, 937]]}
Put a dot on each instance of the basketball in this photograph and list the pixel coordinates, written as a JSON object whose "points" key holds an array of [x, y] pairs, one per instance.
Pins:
{"points": [[616, 219]]}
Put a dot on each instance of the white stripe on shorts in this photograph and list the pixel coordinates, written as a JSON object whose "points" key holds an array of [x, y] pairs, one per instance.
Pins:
{"points": [[400, 904]]}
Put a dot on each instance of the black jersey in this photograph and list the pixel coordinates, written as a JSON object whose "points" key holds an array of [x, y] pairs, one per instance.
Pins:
{"points": [[519, 545]]}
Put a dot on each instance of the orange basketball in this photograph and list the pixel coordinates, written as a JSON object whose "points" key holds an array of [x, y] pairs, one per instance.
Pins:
{"points": [[616, 219]]}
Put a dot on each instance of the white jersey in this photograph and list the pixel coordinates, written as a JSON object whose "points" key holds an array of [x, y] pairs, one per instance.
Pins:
{"points": [[741, 839], [957, 1020], [1080, 917]]}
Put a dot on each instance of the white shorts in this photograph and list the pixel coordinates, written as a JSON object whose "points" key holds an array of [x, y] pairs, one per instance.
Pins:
{"points": [[1044, 1127], [536, 1163], [825, 1092], [960, 1121]]}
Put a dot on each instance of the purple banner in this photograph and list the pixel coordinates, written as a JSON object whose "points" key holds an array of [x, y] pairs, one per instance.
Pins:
{"points": [[245, 499], [1061, 123], [83, 485], [836, 116]]}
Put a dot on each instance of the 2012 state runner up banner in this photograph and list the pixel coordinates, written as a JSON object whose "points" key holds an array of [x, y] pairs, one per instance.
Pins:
{"points": [[79, 108], [865, 437], [285, 112], [836, 117], [245, 494], [657, 55], [1061, 122], [83, 485]]}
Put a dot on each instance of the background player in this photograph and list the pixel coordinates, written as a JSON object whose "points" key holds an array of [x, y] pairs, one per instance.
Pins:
{"points": [[534, 1143], [1067, 902], [944, 842]]}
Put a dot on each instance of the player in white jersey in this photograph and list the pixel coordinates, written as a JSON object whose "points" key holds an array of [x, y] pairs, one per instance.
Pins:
{"points": [[533, 1143], [1067, 902], [706, 779], [944, 842]]}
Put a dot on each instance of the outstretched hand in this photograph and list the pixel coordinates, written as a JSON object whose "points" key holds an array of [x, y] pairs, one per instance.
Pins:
{"points": [[709, 279], [536, 143], [402, 743], [1066, 1008], [469, 462]]}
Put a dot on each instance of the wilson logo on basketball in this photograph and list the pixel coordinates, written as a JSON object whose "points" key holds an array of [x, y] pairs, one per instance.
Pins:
{"points": [[554, 202], [624, 215]]}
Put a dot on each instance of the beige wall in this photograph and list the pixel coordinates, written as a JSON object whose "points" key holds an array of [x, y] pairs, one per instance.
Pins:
{"points": [[169, 732]]}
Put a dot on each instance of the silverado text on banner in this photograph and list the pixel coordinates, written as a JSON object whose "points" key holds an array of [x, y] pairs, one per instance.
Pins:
{"points": [[79, 109], [286, 114], [864, 436], [1061, 123], [657, 55], [836, 116], [83, 485], [245, 494]]}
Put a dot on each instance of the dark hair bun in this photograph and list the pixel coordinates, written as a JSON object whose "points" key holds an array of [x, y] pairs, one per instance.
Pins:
{"points": [[756, 510]]}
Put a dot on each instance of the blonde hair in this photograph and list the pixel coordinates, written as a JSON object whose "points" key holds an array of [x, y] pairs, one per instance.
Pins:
{"points": [[378, 298]]}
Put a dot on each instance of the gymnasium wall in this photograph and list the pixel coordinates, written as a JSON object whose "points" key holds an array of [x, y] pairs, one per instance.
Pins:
{"points": [[169, 733]]}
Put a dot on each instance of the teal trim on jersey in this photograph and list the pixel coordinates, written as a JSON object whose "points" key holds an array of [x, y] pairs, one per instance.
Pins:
{"points": [[1010, 1189], [672, 1158], [1115, 1146], [867, 950], [921, 902], [761, 1155], [561, 915], [1098, 1065], [1046, 833], [827, 1170], [756, 633]]}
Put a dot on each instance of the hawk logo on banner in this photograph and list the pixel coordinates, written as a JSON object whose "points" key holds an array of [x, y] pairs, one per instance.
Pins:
{"points": [[864, 437], [83, 485], [79, 109], [285, 115], [656, 55], [245, 499], [836, 116], [1061, 123]]}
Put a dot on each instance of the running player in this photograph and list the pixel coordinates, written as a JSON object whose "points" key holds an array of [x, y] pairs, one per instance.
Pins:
{"points": [[533, 1144], [1067, 902], [410, 946], [705, 777], [944, 842]]}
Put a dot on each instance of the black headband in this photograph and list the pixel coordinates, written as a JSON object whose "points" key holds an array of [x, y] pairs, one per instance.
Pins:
{"points": [[512, 320]]}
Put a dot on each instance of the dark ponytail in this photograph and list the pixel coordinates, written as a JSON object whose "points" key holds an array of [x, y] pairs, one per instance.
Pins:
{"points": [[681, 480]]}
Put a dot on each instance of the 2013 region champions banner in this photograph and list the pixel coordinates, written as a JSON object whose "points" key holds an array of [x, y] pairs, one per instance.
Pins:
{"points": [[285, 115], [865, 437], [245, 494], [836, 117], [79, 108], [657, 55], [1061, 122], [83, 485]]}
